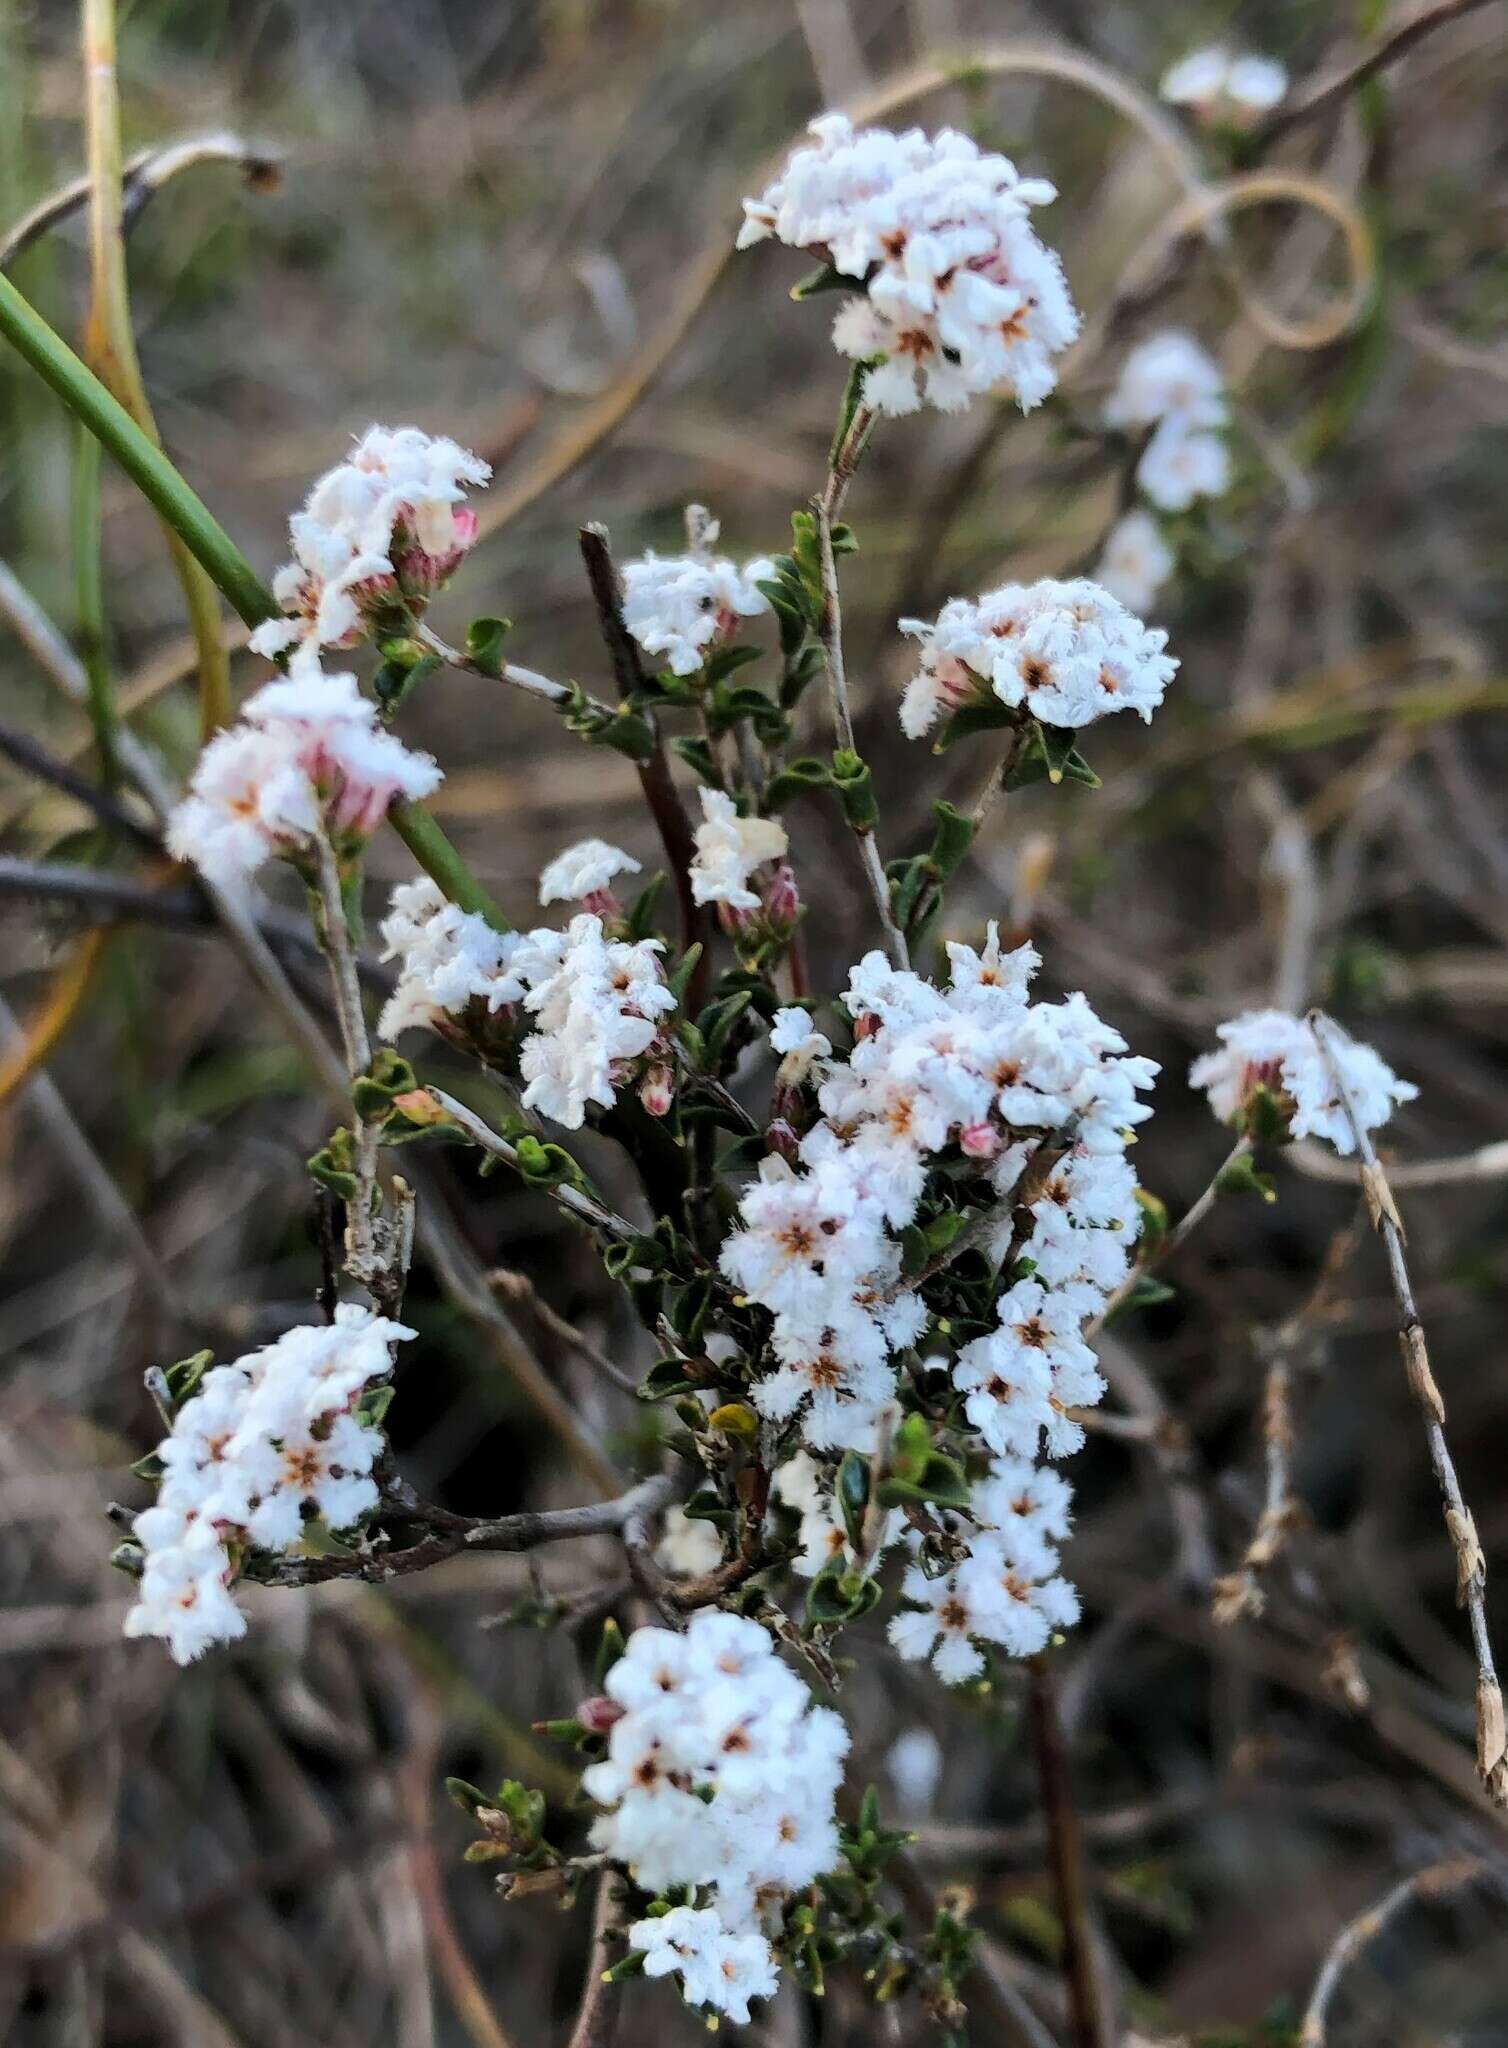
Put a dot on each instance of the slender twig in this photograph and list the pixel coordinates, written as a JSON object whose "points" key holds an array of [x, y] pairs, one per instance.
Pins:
{"points": [[597, 2014], [519, 1288], [1174, 1239], [1488, 1162], [1240, 1592], [143, 177], [37, 760], [568, 1197], [1433, 1882], [1339, 84], [529, 680], [831, 636], [447, 1535], [846, 460], [187, 909], [1065, 1856], [660, 792], [1471, 1566]]}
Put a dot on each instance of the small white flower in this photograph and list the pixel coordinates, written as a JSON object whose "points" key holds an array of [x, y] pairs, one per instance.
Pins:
{"points": [[1181, 464], [1136, 561], [680, 607], [1269, 1048], [583, 870], [1223, 86], [728, 850], [1169, 373]]}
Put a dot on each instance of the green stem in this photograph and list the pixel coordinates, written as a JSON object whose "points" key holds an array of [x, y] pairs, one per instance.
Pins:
{"points": [[191, 519], [440, 860], [89, 591], [138, 455]]}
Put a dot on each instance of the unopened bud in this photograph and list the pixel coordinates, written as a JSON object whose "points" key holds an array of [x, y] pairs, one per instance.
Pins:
{"points": [[979, 1141], [599, 1713], [657, 1090], [782, 899], [782, 1139]]}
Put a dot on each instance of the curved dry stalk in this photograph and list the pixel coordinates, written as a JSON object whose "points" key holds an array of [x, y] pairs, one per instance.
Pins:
{"points": [[1350, 77], [1433, 1882], [1487, 1163], [1471, 1566]]}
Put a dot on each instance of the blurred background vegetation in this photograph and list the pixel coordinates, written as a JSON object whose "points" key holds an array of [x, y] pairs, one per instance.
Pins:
{"points": [[507, 220]]}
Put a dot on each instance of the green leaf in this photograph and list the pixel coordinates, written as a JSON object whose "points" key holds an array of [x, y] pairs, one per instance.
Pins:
{"points": [[484, 644], [685, 967], [389, 1075], [824, 279], [397, 679], [1241, 1177], [697, 755], [805, 773], [722, 662], [951, 840], [641, 917], [851, 1490], [183, 1377], [610, 1647], [851, 779]]}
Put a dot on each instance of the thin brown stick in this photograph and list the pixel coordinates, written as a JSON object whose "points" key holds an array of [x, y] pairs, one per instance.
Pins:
{"points": [[448, 1535], [1430, 1883], [520, 1289], [660, 792], [568, 1197], [1178, 1236], [1340, 83], [596, 2017], [1471, 1566], [1065, 1856]]}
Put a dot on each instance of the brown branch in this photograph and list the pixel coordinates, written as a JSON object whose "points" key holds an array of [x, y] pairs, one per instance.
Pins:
{"points": [[660, 792], [1065, 1855], [596, 2017], [1338, 84], [449, 1535], [521, 1291], [1358, 1934], [1471, 1566]]}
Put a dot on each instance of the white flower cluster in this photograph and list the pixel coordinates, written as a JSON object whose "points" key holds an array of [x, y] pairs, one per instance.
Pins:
{"points": [[980, 1068], [728, 850], [387, 526], [257, 1445], [1171, 384], [1224, 86], [309, 755], [721, 1776], [681, 607], [960, 297], [1069, 653], [596, 1002], [1270, 1049], [1006, 1588]]}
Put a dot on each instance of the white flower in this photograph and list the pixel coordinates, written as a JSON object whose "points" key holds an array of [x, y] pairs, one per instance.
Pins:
{"points": [[597, 1004], [388, 526], [728, 850], [1136, 561], [254, 1444], [449, 958], [716, 1968], [583, 870], [1222, 86], [1168, 374], [1070, 653], [311, 755], [680, 607], [688, 1545], [1272, 1050], [914, 1762], [960, 297], [715, 1712], [1182, 463]]}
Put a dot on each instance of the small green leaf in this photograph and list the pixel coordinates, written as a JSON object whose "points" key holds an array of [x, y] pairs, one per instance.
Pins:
{"points": [[484, 644]]}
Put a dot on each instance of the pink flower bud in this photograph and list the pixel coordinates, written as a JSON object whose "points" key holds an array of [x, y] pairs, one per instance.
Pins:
{"points": [[604, 904], [599, 1713], [781, 1137], [782, 899], [866, 1024], [979, 1141], [734, 921], [657, 1090]]}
